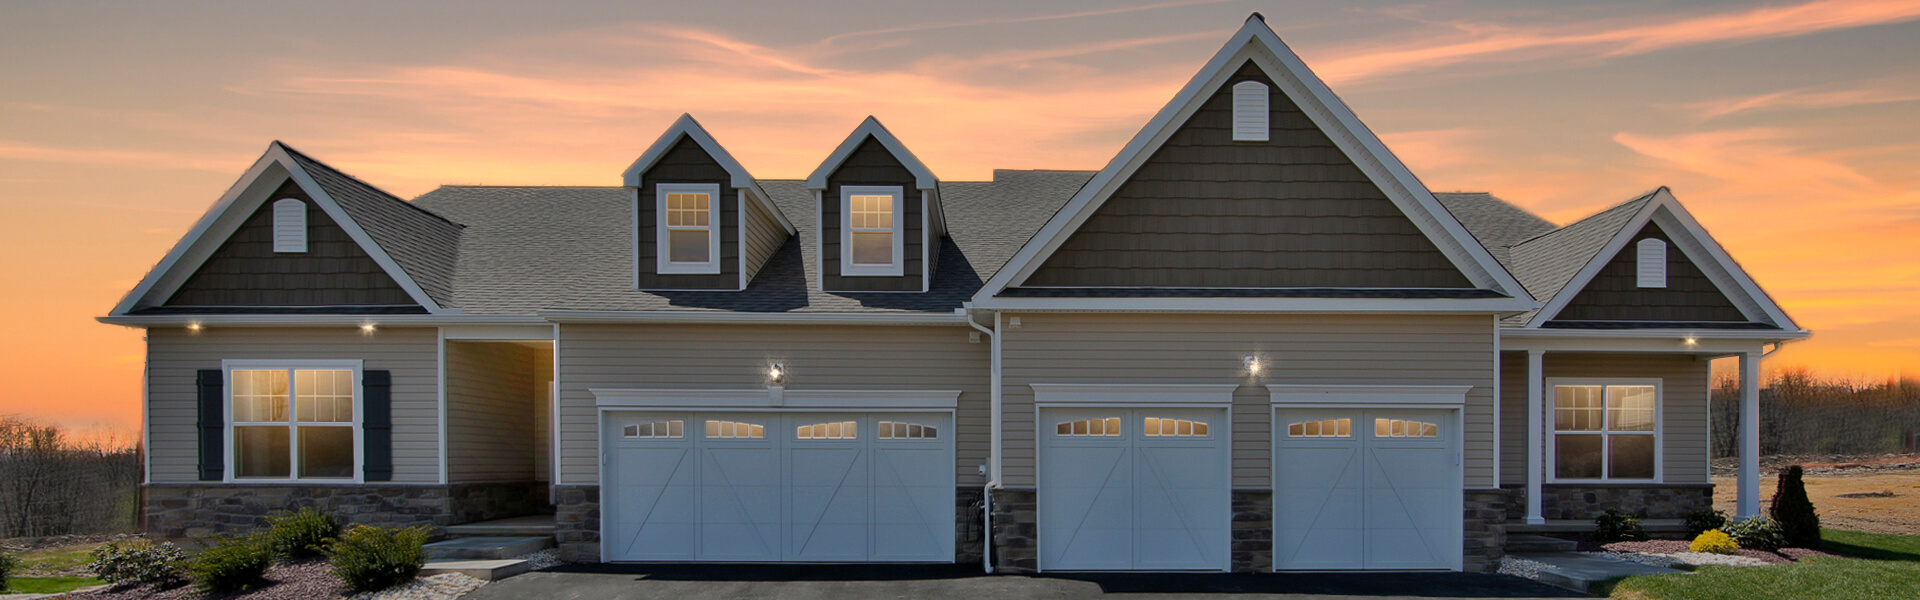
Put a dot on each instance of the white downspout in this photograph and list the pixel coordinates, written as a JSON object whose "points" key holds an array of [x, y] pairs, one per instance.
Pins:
{"points": [[993, 448]]}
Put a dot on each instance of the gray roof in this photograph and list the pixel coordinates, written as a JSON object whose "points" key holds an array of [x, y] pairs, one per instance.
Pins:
{"points": [[1547, 262], [526, 249], [422, 243], [1493, 222]]}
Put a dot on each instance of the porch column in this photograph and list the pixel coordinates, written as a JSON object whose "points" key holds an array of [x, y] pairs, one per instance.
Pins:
{"points": [[1749, 505], [1536, 434]]}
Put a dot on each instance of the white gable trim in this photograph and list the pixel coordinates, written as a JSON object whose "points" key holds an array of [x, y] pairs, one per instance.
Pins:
{"points": [[1256, 42], [922, 176], [1690, 239], [213, 229], [741, 179]]}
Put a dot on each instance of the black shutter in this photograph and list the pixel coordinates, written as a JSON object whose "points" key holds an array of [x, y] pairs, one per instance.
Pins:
{"points": [[213, 426], [376, 427]]}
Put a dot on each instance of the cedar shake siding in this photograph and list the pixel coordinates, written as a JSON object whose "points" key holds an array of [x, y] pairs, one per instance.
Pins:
{"points": [[687, 162], [871, 164], [1208, 212], [246, 272], [1614, 293], [492, 391], [764, 237], [1683, 407]]}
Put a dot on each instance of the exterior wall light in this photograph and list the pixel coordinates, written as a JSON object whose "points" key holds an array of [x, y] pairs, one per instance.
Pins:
{"points": [[1253, 365], [1691, 341], [366, 329], [194, 327], [777, 374]]}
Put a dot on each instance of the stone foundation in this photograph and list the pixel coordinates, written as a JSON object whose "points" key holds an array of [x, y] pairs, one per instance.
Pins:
{"points": [[1484, 535], [1014, 531], [470, 502], [576, 522], [969, 536], [1585, 502], [1252, 531], [181, 511]]}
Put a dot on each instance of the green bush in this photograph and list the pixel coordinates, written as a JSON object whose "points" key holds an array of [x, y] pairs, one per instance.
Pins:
{"points": [[7, 564], [1758, 533], [139, 562], [1715, 541], [1616, 526], [232, 564], [371, 559], [1704, 520], [302, 534], [1794, 511]]}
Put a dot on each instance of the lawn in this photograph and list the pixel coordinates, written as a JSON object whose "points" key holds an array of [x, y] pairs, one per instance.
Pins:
{"points": [[53, 570], [1887, 566], [48, 585]]}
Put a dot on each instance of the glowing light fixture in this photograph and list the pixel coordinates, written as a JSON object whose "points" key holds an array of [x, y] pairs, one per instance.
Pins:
{"points": [[1253, 365], [1691, 341], [194, 327], [367, 328], [777, 373]]}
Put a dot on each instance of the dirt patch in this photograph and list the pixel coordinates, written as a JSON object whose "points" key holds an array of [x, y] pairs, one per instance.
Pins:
{"points": [[306, 580], [1858, 495]]}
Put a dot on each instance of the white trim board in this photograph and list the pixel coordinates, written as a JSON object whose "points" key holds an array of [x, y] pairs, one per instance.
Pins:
{"points": [[775, 398], [1177, 394], [687, 126], [923, 177], [1435, 396]]}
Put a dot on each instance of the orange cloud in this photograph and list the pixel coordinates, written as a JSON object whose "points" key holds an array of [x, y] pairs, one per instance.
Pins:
{"points": [[1801, 99]]}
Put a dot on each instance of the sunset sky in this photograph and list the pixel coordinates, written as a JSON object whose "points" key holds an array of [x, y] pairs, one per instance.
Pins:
{"points": [[1790, 128]]}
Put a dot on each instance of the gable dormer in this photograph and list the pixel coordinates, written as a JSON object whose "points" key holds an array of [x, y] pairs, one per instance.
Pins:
{"points": [[878, 207], [700, 222]]}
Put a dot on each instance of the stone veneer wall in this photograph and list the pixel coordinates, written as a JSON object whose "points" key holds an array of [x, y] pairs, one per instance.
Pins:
{"points": [[177, 511], [1014, 531], [1584, 502], [1252, 531], [576, 522], [968, 537], [1484, 535]]}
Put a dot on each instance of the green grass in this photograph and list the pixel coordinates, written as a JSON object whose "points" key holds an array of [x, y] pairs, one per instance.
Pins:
{"points": [[56, 559], [1887, 566], [49, 585]]}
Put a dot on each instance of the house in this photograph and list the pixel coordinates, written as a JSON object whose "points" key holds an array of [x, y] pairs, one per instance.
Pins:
{"points": [[1253, 341]]}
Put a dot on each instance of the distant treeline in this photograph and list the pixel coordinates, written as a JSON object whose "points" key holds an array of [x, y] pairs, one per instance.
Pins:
{"points": [[1804, 414], [52, 483]]}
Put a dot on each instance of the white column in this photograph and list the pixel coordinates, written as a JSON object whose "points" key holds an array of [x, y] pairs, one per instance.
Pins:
{"points": [[1749, 505], [1536, 432]]}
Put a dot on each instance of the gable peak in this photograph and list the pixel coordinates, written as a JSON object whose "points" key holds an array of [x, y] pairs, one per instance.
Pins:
{"points": [[872, 128]]}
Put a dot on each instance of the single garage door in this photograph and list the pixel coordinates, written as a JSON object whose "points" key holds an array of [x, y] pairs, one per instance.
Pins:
{"points": [[1133, 489], [1371, 489], [766, 487]]}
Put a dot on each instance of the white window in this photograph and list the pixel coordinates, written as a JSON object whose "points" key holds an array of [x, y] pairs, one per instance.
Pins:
{"points": [[1606, 431], [735, 429], [655, 429], [1250, 112], [1107, 427], [895, 430], [688, 228], [1652, 263], [841, 430], [289, 225], [1395, 428], [872, 231], [1321, 428], [1157, 427], [294, 422]]}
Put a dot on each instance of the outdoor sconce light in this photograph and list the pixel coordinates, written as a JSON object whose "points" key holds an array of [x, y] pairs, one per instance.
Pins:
{"points": [[777, 374], [194, 327], [1690, 341], [366, 329], [1253, 365]]}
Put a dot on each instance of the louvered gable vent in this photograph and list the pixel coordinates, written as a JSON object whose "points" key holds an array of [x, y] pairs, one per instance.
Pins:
{"points": [[289, 225], [1250, 111], [1652, 263]]}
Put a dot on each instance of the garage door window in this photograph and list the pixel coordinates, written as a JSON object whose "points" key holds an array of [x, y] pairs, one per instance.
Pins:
{"points": [[1605, 432], [735, 429], [1156, 427], [843, 430], [655, 429], [1109, 426], [1321, 428], [896, 430], [1396, 428]]}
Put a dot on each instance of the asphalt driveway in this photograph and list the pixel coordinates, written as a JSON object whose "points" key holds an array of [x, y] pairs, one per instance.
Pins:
{"points": [[948, 582]]}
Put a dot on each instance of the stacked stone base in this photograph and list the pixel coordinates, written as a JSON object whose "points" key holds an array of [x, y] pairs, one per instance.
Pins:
{"points": [[1585, 502], [1484, 535], [186, 511]]}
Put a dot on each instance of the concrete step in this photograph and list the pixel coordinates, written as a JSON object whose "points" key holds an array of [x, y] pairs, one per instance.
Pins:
{"points": [[1576, 526], [1538, 543], [487, 548], [529, 526], [1578, 572], [484, 570]]}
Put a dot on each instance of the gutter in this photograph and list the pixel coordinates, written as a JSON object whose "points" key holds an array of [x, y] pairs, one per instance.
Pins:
{"points": [[609, 316], [267, 320], [993, 446]]}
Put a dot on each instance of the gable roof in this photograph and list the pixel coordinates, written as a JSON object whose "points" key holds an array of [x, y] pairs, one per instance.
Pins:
{"points": [[686, 126], [870, 127], [1257, 43], [425, 245], [1495, 223]]}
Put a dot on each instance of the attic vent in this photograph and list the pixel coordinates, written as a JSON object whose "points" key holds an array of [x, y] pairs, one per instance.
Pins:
{"points": [[1653, 263], [1250, 111], [289, 225]]}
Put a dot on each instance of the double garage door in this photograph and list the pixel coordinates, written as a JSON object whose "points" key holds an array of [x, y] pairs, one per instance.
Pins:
{"points": [[770, 486]]}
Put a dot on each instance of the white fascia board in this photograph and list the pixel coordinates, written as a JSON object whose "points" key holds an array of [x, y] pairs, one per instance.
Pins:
{"points": [[200, 229], [591, 316], [1644, 342], [340, 217], [774, 398], [337, 320], [1255, 41], [1124, 393], [1726, 265], [739, 177], [923, 177], [1272, 305], [529, 332], [1453, 395]]}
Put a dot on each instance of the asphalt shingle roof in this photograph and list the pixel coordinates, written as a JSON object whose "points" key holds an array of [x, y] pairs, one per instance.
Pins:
{"points": [[1493, 222], [422, 243], [1547, 262]]}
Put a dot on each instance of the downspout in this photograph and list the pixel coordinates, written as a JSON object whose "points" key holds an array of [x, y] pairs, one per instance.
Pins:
{"points": [[993, 448]]}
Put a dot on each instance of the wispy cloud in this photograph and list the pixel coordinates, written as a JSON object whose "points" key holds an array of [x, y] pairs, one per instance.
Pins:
{"points": [[15, 150], [831, 40], [1801, 99]]}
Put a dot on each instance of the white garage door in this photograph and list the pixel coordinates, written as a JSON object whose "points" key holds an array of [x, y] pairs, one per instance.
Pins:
{"points": [[1133, 489], [1366, 489], [763, 487]]}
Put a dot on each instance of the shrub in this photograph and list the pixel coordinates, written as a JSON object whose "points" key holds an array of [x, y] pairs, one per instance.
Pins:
{"points": [[1758, 533], [7, 564], [232, 564], [1616, 526], [1705, 520], [139, 562], [302, 534], [1715, 541], [371, 558], [1794, 511]]}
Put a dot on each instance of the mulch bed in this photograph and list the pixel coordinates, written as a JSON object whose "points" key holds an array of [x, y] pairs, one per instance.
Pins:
{"points": [[1785, 555], [303, 580]]}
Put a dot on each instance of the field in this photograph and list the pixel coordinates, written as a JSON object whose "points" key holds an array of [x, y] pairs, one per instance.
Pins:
{"points": [[1875, 498]]}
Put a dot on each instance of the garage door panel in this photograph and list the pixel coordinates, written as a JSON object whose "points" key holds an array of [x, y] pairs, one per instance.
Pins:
{"points": [[1381, 494], [1121, 492], [657, 507]]}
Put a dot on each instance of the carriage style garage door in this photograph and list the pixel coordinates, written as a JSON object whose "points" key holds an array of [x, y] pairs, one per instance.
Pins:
{"points": [[764, 486], [1375, 489], [1133, 489]]}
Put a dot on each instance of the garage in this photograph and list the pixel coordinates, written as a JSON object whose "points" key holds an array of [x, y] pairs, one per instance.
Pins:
{"points": [[1366, 489], [778, 486], [1133, 488]]}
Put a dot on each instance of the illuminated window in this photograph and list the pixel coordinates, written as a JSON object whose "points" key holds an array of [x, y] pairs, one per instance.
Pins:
{"points": [[1604, 431], [1109, 426], [1321, 428], [688, 240], [1155, 427], [871, 230], [293, 423], [895, 430], [734, 429], [655, 429], [1399, 428], [843, 430]]}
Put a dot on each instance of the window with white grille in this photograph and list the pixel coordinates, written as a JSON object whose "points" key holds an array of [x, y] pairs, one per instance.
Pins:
{"points": [[289, 225], [687, 228], [1250, 111], [1653, 263], [840, 430], [895, 430]]}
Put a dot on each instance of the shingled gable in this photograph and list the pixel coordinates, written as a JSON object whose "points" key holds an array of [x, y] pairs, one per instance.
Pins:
{"points": [[689, 128], [1479, 282], [428, 242], [872, 157]]}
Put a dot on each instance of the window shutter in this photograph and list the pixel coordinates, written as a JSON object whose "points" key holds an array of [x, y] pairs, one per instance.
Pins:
{"points": [[1653, 263], [376, 426], [1250, 112], [213, 426], [289, 225]]}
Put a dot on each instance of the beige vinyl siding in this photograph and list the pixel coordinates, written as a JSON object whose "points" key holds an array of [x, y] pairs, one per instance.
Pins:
{"points": [[735, 357], [764, 236], [1296, 349], [1683, 408], [543, 414], [491, 389], [175, 355]]}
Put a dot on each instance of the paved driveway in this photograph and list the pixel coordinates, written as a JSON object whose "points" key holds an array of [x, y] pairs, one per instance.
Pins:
{"points": [[945, 582]]}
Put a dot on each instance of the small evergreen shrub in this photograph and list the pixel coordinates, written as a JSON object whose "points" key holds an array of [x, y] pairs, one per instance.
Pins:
{"points": [[232, 564], [370, 559], [302, 534], [7, 564], [1616, 526], [1715, 541], [1704, 520], [139, 562], [1794, 511], [1758, 533]]}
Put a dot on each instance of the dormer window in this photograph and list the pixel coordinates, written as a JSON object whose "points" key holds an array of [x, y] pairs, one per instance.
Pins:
{"points": [[688, 241], [872, 230], [289, 226]]}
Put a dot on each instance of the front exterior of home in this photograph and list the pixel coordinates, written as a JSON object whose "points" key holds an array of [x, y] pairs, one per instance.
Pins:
{"points": [[1252, 342]]}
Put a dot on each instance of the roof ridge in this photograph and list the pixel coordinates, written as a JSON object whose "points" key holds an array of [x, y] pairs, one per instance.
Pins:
{"points": [[336, 171], [1640, 198]]}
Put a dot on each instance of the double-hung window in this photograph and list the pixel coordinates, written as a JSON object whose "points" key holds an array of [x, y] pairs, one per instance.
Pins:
{"points": [[688, 228], [1606, 431], [872, 231], [294, 421]]}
